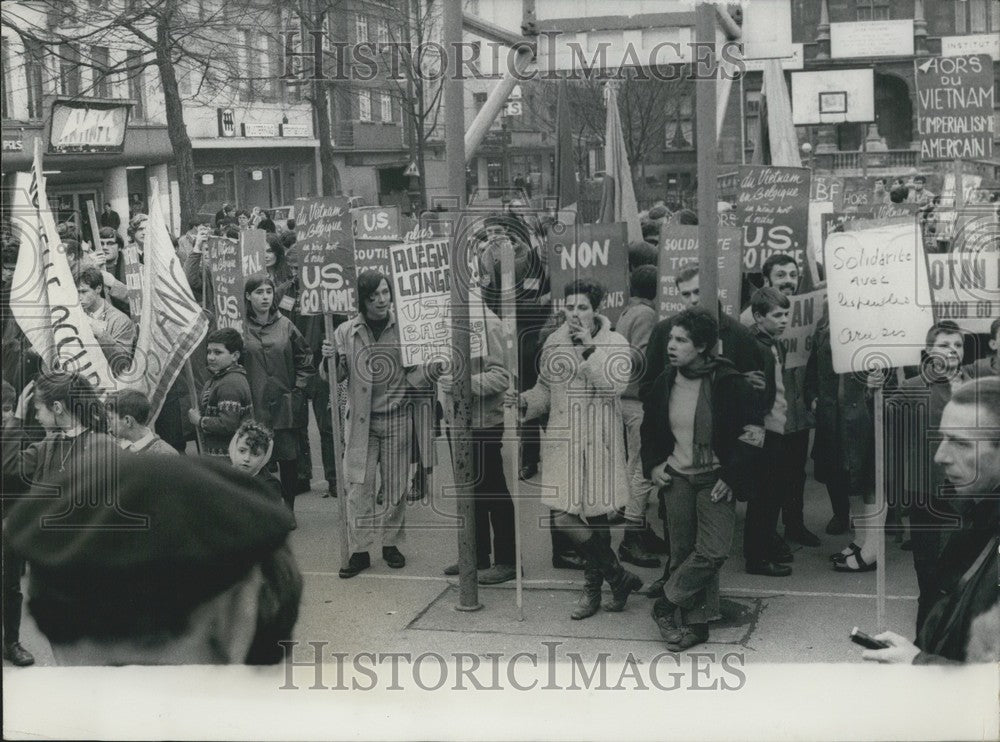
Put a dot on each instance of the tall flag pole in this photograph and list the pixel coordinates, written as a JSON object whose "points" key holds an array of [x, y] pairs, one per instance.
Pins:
{"points": [[567, 189], [618, 202]]}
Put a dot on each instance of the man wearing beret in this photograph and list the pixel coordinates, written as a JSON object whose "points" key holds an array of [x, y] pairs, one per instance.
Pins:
{"points": [[175, 564]]}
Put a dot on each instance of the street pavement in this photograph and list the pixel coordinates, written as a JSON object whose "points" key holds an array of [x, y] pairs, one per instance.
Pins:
{"points": [[802, 618]]}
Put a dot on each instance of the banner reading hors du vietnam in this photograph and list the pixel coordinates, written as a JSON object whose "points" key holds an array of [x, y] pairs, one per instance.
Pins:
{"points": [[326, 255], [421, 292]]}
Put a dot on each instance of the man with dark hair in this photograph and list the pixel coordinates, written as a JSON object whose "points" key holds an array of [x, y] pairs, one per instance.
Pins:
{"points": [[226, 401], [380, 420], [635, 325], [700, 432], [128, 420], [990, 365], [185, 588], [966, 565], [109, 217], [770, 310], [113, 330], [919, 194]]}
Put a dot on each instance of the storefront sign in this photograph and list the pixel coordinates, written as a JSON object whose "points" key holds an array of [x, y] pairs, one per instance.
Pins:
{"points": [[326, 255], [13, 142], [871, 39], [261, 130], [80, 127], [773, 209], [955, 107], [979, 43], [227, 122], [295, 130]]}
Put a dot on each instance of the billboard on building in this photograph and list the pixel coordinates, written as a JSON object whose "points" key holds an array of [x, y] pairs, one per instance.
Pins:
{"points": [[87, 127]]}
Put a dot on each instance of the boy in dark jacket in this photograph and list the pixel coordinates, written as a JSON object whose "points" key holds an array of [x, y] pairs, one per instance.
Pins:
{"points": [[225, 401], [700, 432]]}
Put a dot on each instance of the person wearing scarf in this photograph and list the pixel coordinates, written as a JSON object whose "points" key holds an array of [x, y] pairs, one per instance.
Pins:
{"points": [[249, 451], [701, 432]]}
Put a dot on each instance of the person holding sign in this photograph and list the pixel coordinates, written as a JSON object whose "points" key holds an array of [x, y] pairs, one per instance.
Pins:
{"points": [[280, 370], [379, 420], [584, 369], [701, 432]]}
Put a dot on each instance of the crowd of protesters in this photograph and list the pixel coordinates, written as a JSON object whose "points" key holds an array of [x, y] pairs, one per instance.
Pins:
{"points": [[688, 415]]}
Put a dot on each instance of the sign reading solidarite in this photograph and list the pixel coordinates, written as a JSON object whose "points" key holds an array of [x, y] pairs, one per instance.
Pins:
{"points": [[955, 107], [678, 247], [326, 255], [773, 208], [875, 278], [595, 251]]}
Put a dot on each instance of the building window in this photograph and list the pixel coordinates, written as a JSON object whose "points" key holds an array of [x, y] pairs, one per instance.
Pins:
{"points": [[680, 125], [382, 31], [365, 105], [33, 73], [751, 118], [361, 28], [480, 100], [873, 10], [136, 91], [386, 107], [69, 70], [977, 16], [101, 61]]}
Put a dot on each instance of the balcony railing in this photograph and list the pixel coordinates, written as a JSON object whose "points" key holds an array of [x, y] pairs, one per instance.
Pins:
{"points": [[892, 159]]}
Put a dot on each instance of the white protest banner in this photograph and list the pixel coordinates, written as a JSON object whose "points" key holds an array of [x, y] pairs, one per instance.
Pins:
{"points": [[874, 279], [172, 323], [964, 288], [678, 247], [955, 107], [44, 300], [595, 251], [326, 255], [806, 311]]}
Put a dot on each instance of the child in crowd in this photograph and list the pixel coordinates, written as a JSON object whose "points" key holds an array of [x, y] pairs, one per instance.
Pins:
{"points": [[225, 401], [250, 450]]}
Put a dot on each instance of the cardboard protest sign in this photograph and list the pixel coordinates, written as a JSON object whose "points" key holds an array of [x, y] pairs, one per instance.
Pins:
{"points": [[376, 223], [678, 247], [955, 107], [806, 311], [421, 287], [773, 209], [827, 188], [133, 279], [253, 245], [596, 251], [228, 281], [964, 287], [326, 255], [373, 255], [874, 279]]}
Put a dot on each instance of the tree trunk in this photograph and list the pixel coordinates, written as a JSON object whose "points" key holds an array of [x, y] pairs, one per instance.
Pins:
{"points": [[176, 129], [324, 132]]}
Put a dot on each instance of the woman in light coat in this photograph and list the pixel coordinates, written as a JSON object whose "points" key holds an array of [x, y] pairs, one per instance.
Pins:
{"points": [[584, 369]]}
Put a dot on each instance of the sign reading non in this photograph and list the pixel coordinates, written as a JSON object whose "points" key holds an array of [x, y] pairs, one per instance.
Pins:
{"points": [[955, 107], [679, 247], [326, 255], [595, 251], [773, 209]]}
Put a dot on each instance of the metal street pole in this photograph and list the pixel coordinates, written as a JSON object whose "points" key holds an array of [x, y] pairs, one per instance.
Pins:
{"points": [[708, 186], [461, 444]]}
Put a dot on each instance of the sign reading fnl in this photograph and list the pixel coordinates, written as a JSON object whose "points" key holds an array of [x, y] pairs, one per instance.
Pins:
{"points": [[87, 127], [955, 107]]}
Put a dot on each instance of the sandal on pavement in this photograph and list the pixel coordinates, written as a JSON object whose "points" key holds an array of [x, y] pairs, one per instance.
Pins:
{"points": [[840, 556], [862, 565]]}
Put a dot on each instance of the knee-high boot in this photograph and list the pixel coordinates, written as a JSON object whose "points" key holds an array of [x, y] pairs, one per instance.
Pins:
{"points": [[590, 601], [598, 552]]}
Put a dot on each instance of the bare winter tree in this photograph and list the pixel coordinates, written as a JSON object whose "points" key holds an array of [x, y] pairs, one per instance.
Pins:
{"points": [[212, 45]]}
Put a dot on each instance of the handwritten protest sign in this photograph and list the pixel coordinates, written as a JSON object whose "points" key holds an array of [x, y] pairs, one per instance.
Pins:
{"points": [[827, 188], [376, 223], [421, 286], [875, 278], [228, 281], [595, 251], [678, 247], [373, 255], [326, 255], [955, 107], [253, 245], [806, 311], [964, 287], [133, 279], [773, 209]]}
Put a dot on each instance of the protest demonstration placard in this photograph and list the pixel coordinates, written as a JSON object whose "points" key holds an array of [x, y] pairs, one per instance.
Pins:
{"points": [[421, 287], [228, 280], [595, 251], [253, 245], [955, 107], [773, 209], [827, 188], [805, 313], [326, 255], [376, 223], [964, 287], [874, 283], [133, 279], [372, 255], [678, 247]]}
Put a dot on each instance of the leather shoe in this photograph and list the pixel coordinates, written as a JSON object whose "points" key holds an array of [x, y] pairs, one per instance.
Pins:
{"points": [[655, 589], [497, 574], [802, 535], [567, 561], [359, 561], [17, 655], [785, 557], [393, 557], [837, 526], [768, 569], [632, 551]]}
